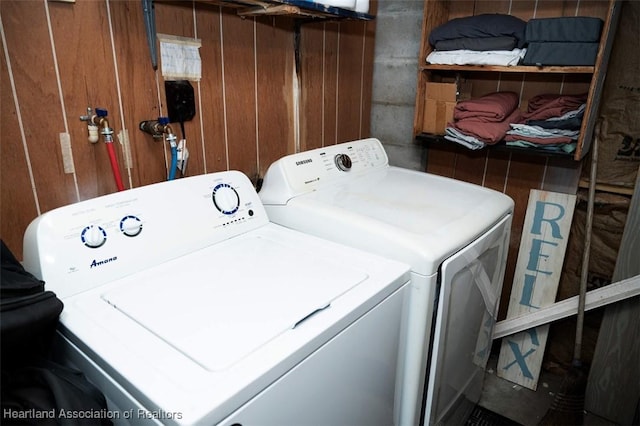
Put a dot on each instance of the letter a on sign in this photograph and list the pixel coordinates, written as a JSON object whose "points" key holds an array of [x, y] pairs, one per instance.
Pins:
{"points": [[535, 283]]}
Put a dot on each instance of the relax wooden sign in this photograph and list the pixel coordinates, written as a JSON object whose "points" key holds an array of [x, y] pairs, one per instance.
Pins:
{"points": [[542, 248]]}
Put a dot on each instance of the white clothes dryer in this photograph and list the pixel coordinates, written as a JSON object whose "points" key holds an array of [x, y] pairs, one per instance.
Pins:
{"points": [[455, 236], [186, 306]]}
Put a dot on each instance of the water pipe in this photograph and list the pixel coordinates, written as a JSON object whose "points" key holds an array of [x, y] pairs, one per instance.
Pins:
{"points": [[174, 161], [99, 120], [159, 128]]}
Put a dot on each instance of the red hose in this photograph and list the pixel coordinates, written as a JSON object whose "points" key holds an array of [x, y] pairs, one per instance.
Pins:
{"points": [[114, 166]]}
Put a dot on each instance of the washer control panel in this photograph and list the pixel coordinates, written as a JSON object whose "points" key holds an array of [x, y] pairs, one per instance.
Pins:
{"points": [[102, 239], [306, 171]]}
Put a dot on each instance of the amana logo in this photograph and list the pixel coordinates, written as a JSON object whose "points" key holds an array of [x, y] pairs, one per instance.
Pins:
{"points": [[102, 262]]}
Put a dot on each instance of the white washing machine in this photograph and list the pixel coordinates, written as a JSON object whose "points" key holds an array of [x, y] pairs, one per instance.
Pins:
{"points": [[185, 305], [455, 236]]}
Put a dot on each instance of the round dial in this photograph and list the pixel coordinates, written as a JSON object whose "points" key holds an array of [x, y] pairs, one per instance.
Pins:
{"points": [[93, 236], [343, 161], [130, 226], [225, 198]]}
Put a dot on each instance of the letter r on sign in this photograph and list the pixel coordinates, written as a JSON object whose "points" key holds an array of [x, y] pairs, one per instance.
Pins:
{"points": [[539, 217]]}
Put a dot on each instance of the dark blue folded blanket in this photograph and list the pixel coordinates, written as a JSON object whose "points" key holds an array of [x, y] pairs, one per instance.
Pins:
{"points": [[561, 53], [479, 26], [479, 44], [566, 28], [573, 123]]}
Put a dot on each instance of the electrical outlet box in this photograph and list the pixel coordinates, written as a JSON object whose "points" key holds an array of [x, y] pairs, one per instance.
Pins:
{"points": [[181, 104]]}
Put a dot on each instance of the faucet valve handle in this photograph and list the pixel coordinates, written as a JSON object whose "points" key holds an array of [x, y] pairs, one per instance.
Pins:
{"points": [[101, 112]]}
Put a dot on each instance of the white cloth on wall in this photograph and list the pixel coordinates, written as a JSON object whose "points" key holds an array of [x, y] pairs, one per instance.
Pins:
{"points": [[180, 57]]}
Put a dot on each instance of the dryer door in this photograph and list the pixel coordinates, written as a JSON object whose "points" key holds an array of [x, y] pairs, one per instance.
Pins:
{"points": [[469, 295]]}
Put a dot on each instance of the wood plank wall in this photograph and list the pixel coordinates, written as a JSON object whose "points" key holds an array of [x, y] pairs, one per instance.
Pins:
{"points": [[515, 173], [60, 58]]}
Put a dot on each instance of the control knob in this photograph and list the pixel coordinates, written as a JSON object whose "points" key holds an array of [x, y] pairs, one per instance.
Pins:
{"points": [[343, 162], [130, 226], [93, 236], [225, 198]]}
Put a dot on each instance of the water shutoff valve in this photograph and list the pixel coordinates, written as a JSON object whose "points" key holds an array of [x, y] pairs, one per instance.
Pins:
{"points": [[155, 128]]}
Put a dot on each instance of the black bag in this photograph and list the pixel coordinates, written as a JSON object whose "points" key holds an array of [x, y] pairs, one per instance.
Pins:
{"points": [[51, 394], [28, 313], [35, 389]]}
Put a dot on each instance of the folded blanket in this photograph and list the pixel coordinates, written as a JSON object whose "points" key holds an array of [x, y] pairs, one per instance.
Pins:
{"points": [[565, 28], [473, 57], [558, 147], [540, 141], [487, 132], [540, 132], [574, 123], [484, 25], [479, 44], [576, 113], [572, 120], [470, 142], [561, 53], [489, 108], [546, 106]]}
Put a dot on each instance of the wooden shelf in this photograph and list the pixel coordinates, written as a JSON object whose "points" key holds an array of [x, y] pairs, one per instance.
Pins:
{"points": [[438, 141], [292, 8], [535, 80], [514, 69], [304, 10]]}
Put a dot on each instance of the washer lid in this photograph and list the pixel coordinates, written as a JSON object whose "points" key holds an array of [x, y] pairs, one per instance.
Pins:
{"points": [[225, 302], [409, 216], [419, 203]]}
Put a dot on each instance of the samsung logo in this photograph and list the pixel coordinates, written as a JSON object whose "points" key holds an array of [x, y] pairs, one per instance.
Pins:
{"points": [[103, 262], [301, 162]]}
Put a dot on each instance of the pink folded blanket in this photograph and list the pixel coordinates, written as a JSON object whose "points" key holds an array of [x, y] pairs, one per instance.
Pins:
{"points": [[545, 106], [489, 132], [489, 108], [539, 141]]}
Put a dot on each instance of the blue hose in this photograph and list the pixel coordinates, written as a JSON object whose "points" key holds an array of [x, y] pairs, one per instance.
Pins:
{"points": [[174, 162]]}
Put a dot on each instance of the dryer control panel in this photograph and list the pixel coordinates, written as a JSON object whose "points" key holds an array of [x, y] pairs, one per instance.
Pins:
{"points": [[85, 244], [306, 171]]}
